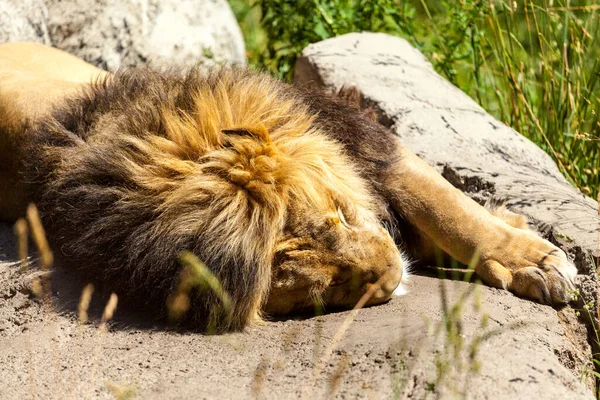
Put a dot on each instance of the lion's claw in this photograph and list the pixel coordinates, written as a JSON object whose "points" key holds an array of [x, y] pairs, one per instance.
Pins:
{"points": [[546, 286], [547, 281]]}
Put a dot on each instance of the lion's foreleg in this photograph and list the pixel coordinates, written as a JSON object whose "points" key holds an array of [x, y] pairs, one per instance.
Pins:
{"points": [[440, 211], [503, 255]]}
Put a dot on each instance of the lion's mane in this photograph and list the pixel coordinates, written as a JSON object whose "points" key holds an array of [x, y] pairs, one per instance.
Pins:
{"points": [[144, 165]]}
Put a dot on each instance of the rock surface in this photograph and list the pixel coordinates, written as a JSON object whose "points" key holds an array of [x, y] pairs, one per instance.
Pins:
{"points": [[523, 350], [111, 33], [444, 126], [23, 20]]}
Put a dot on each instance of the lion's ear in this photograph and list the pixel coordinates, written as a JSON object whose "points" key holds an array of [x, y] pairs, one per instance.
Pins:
{"points": [[259, 132], [352, 97]]}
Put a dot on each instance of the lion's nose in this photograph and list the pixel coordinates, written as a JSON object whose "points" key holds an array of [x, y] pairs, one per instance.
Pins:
{"points": [[384, 288], [379, 295]]}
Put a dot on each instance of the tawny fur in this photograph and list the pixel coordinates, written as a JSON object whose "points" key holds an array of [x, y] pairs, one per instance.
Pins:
{"points": [[515, 220]]}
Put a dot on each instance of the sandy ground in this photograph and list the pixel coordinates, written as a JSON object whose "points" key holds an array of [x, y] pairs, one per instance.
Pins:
{"points": [[401, 349]]}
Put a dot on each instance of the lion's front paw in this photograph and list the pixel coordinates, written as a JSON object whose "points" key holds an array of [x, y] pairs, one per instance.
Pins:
{"points": [[532, 268]]}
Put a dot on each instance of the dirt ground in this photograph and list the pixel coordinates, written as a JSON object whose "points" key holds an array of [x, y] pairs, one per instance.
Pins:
{"points": [[493, 345]]}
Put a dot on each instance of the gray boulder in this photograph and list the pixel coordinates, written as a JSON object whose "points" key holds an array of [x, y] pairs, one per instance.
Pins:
{"points": [[112, 33], [399, 350], [23, 20]]}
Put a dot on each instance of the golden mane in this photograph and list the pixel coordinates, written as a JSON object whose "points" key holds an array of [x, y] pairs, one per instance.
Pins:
{"points": [[212, 169]]}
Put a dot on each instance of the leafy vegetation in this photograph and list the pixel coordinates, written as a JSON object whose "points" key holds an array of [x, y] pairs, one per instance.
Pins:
{"points": [[532, 64]]}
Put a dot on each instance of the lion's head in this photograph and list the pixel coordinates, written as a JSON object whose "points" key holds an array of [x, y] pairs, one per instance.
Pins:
{"points": [[232, 167], [332, 247], [330, 255]]}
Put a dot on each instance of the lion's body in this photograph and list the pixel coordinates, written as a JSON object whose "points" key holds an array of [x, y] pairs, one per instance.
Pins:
{"points": [[33, 78], [282, 192]]}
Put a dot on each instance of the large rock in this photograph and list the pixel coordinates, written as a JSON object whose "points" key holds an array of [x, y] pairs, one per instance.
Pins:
{"points": [[486, 345], [23, 20], [113, 33], [474, 151]]}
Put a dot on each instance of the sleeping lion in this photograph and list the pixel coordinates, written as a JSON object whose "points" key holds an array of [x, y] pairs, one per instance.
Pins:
{"points": [[289, 196]]}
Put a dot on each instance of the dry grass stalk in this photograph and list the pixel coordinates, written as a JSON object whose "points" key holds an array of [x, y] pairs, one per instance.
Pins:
{"points": [[84, 303], [109, 311], [37, 288], [122, 391], [335, 380], [21, 233], [178, 303], [258, 381], [39, 236], [41, 285], [341, 332]]}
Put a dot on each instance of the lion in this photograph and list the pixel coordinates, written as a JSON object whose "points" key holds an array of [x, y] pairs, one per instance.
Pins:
{"points": [[290, 196]]}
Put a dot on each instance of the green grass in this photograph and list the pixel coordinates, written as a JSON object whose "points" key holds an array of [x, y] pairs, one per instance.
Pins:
{"points": [[532, 64]]}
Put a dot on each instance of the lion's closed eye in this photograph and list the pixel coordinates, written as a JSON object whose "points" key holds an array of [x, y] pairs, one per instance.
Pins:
{"points": [[342, 217], [348, 214]]}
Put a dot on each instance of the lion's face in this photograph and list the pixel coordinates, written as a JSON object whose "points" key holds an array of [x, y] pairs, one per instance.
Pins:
{"points": [[332, 256]]}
